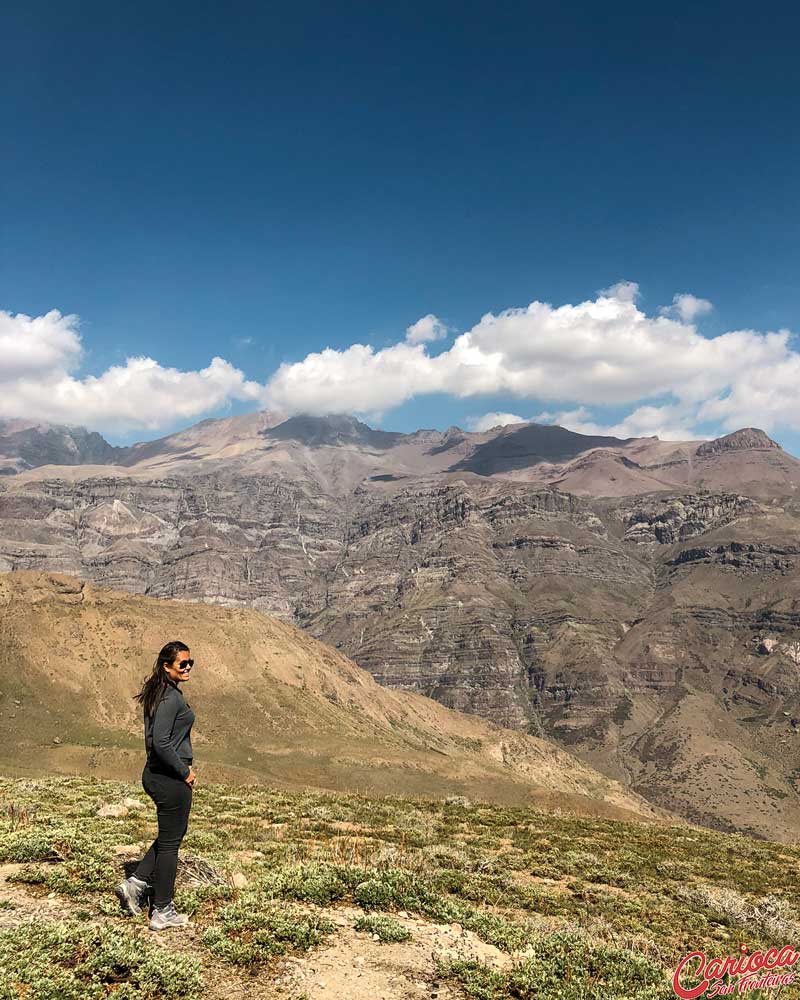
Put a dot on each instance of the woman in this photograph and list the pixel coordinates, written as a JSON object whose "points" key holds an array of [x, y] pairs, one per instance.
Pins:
{"points": [[168, 778]]}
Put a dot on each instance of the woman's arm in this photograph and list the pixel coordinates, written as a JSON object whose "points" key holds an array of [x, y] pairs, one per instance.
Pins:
{"points": [[163, 721]]}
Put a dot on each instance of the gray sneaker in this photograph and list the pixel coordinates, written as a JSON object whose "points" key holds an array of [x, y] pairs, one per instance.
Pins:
{"points": [[166, 917], [131, 894]]}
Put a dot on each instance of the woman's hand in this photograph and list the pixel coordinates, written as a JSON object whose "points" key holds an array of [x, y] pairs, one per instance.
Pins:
{"points": [[190, 777]]}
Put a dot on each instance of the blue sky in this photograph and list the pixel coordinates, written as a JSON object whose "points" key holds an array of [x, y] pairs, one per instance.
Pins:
{"points": [[261, 182]]}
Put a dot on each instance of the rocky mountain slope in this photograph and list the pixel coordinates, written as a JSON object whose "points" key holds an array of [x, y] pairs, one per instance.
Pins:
{"points": [[271, 703], [337, 453], [28, 445], [650, 631]]}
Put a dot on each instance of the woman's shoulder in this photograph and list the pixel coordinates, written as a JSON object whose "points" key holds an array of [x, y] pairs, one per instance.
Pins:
{"points": [[170, 693]]}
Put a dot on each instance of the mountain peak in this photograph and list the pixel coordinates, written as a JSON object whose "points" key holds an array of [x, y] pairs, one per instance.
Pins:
{"points": [[331, 430], [26, 444], [741, 440]]}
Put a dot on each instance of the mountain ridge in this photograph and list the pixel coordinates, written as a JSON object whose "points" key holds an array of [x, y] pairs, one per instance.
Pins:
{"points": [[339, 452]]}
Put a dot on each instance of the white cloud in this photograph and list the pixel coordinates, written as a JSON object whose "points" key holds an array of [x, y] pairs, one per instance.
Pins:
{"points": [[36, 359], [602, 352], [764, 396], [355, 380], [428, 328], [670, 423], [35, 348], [687, 307], [579, 420], [625, 291], [494, 419]]}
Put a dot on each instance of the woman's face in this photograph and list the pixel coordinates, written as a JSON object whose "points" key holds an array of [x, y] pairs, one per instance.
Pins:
{"points": [[180, 668]]}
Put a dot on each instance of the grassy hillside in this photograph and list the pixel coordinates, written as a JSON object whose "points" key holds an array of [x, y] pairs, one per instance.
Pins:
{"points": [[328, 896], [272, 704]]}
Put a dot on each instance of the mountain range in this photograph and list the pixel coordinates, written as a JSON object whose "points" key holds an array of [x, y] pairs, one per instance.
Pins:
{"points": [[339, 452], [634, 601]]}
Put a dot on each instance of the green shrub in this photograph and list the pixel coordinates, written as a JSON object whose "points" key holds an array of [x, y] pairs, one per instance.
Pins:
{"points": [[254, 929], [400, 889], [44, 843], [503, 934], [564, 967], [373, 894], [72, 878], [387, 928], [313, 883], [69, 960]]}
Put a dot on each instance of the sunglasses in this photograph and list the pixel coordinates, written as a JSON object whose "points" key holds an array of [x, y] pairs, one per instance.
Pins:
{"points": [[184, 663]]}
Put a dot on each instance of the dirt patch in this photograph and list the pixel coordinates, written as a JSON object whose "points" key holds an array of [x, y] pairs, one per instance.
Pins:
{"points": [[26, 905], [356, 967], [351, 966]]}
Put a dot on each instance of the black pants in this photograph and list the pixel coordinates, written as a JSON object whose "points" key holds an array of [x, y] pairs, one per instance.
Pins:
{"points": [[173, 799]]}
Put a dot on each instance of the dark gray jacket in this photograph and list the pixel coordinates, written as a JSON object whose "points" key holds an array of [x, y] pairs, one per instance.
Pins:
{"points": [[167, 734]]}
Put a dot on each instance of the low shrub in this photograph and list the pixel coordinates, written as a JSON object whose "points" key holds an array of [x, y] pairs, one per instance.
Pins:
{"points": [[71, 960], [72, 878], [253, 930], [564, 967], [44, 843], [387, 928]]}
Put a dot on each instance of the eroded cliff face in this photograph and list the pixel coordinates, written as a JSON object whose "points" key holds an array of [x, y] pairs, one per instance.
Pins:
{"points": [[249, 540], [27, 444], [630, 630]]}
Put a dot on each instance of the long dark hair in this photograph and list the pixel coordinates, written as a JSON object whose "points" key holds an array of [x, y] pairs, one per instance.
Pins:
{"points": [[154, 685]]}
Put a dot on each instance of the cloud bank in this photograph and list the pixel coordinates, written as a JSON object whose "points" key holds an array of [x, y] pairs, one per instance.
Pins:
{"points": [[562, 361], [602, 352], [37, 360]]}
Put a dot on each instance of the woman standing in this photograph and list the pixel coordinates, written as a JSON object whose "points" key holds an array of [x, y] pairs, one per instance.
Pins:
{"points": [[168, 779]]}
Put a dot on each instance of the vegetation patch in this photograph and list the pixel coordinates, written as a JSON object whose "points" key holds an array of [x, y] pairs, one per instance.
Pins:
{"points": [[622, 893], [386, 928], [255, 929], [51, 842], [72, 878], [70, 960], [564, 967]]}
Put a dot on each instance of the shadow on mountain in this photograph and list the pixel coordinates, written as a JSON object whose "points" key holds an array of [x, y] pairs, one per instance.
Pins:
{"points": [[453, 436], [331, 431], [57, 445], [531, 444]]}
